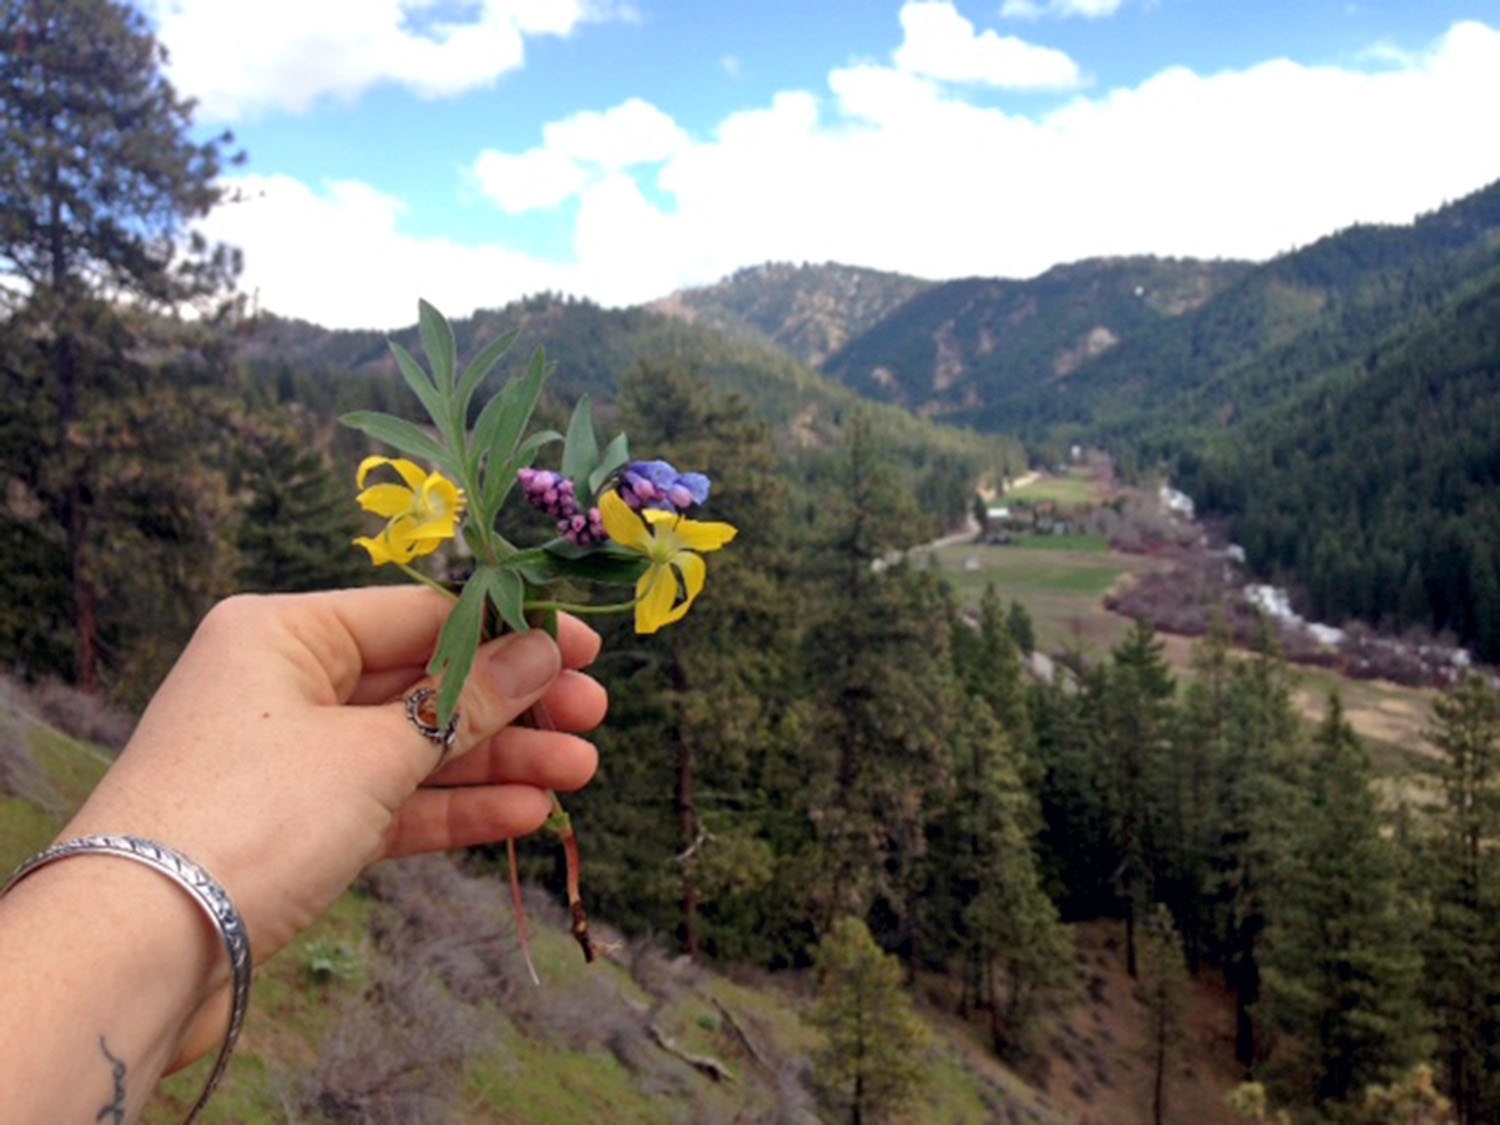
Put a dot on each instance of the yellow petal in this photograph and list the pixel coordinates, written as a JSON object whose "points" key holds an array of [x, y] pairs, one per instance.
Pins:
{"points": [[379, 555], [412, 473], [656, 591], [693, 571], [699, 535], [623, 525], [388, 500]]}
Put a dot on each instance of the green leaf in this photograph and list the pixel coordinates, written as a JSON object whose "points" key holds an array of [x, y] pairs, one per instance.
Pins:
{"points": [[399, 434], [480, 366], [416, 378], [616, 455], [508, 593], [505, 417], [459, 641], [607, 567], [581, 449], [437, 342]]}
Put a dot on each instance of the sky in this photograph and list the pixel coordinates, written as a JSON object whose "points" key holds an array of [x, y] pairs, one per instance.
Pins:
{"points": [[472, 152]]}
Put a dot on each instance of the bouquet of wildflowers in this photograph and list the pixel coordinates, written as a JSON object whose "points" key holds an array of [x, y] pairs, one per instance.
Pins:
{"points": [[614, 522]]}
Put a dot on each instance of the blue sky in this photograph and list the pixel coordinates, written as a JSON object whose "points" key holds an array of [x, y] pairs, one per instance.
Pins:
{"points": [[474, 151]]}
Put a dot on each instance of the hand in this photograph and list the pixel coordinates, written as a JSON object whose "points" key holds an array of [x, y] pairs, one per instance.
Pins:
{"points": [[279, 756]]}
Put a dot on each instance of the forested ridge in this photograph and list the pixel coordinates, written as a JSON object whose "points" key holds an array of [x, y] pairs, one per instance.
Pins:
{"points": [[835, 769]]}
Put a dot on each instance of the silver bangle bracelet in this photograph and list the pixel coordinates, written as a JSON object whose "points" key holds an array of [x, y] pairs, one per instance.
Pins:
{"points": [[206, 892]]}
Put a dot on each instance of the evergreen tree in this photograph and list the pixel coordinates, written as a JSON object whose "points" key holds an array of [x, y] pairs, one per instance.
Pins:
{"points": [[985, 890], [297, 526], [1463, 879], [1019, 625], [1201, 744], [886, 700], [1164, 976], [1135, 703], [871, 1066], [102, 184], [1256, 794], [699, 811], [1340, 971]]}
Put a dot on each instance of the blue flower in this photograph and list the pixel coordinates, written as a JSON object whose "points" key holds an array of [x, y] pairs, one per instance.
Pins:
{"points": [[658, 485]]}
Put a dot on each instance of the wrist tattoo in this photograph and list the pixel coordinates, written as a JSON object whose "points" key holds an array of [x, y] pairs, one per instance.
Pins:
{"points": [[114, 1112]]}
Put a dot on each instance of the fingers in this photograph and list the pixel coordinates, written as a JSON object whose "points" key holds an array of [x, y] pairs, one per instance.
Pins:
{"points": [[441, 819], [578, 644], [544, 759], [500, 791], [508, 676]]}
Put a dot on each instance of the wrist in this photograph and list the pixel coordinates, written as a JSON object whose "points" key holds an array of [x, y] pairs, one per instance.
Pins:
{"points": [[134, 941]]}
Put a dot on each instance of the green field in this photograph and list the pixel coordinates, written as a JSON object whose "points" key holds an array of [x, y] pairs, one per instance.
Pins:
{"points": [[1059, 579], [1073, 490]]}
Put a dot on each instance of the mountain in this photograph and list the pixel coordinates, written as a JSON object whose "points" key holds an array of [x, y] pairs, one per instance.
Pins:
{"points": [[594, 348], [807, 311], [1377, 487], [962, 349]]}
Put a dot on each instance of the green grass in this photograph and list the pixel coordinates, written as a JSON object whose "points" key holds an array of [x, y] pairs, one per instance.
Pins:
{"points": [[1073, 490], [1060, 580], [523, 1080], [1093, 544]]}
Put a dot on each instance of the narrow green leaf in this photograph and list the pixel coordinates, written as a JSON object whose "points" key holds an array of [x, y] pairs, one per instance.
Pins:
{"points": [[480, 366], [505, 417], [580, 450], [615, 456], [454, 657], [400, 434], [508, 594], [437, 342], [416, 378]]}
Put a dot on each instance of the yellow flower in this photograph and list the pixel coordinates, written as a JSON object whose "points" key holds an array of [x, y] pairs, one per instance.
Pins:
{"points": [[422, 513], [668, 540]]}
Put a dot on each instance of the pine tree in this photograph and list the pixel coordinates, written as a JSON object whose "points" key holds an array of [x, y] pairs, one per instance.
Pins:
{"points": [[297, 527], [1136, 716], [871, 1066], [1164, 976], [698, 816], [1340, 971], [886, 700], [1463, 877], [1201, 743], [984, 887], [102, 184], [1256, 794]]}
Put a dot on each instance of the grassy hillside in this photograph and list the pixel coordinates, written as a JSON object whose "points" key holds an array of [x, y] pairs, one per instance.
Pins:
{"points": [[409, 1002]]}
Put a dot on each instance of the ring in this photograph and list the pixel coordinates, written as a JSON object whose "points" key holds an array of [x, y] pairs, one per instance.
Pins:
{"points": [[421, 709]]}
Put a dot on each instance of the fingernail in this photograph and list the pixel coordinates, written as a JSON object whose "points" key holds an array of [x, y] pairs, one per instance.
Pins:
{"points": [[524, 665]]}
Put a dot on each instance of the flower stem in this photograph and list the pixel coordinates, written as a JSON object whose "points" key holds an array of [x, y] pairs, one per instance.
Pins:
{"points": [[583, 608], [417, 576]]}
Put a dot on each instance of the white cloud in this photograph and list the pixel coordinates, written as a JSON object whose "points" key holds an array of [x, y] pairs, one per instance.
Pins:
{"points": [[888, 169], [940, 43], [1039, 9], [576, 152], [336, 256], [241, 59]]}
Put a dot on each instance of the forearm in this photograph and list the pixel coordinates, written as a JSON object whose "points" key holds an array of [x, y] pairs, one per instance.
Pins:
{"points": [[103, 965]]}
